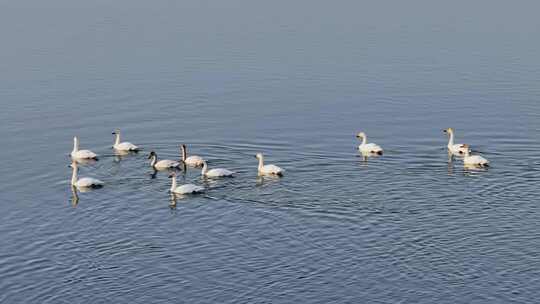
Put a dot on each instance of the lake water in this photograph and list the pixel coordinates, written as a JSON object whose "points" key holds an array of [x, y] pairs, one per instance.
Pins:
{"points": [[295, 80]]}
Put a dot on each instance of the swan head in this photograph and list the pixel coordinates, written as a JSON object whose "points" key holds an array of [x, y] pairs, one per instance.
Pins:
{"points": [[449, 131], [173, 174], [152, 154], [116, 131], [361, 135], [258, 155], [73, 165]]}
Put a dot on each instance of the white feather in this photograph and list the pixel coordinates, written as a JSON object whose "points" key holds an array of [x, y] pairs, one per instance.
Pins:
{"points": [[267, 169], [368, 148]]}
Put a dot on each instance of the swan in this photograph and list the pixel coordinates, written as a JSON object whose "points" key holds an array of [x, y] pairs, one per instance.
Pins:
{"points": [[370, 148], [454, 149], [267, 169], [123, 146], [162, 164], [81, 154], [193, 160], [473, 160], [184, 189], [83, 182], [218, 172]]}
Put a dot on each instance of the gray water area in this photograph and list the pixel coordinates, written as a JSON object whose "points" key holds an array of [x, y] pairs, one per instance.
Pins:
{"points": [[295, 80]]}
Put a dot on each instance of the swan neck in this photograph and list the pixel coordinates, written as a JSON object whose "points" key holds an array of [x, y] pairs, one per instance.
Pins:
{"points": [[153, 160], [364, 140], [451, 139], [117, 138], [74, 175], [173, 185], [75, 144], [204, 169], [261, 162], [184, 153]]}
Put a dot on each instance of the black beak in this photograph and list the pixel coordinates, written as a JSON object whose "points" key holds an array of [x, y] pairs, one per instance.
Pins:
{"points": [[445, 131]]}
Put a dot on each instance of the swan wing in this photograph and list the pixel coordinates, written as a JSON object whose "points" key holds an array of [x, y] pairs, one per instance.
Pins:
{"points": [[194, 160], [126, 146], [87, 182], [83, 154], [272, 169], [475, 160], [167, 163], [188, 188], [370, 148], [219, 172]]}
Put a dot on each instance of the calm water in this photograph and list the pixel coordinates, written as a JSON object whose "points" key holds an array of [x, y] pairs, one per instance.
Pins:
{"points": [[295, 80]]}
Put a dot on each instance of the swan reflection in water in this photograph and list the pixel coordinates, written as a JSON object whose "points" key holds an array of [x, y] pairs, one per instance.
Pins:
{"points": [[85, 162], [74, 196], [120, 155], [264, 180]]}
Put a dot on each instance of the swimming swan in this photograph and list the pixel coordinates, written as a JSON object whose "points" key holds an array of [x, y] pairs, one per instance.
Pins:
{"points": [[370, 148], [267, 169], [193, 160], [184, 189], [84, 182], [162, 164], [123, 146], [474, 160], [218, 172], [454, 149], [81, 154]]}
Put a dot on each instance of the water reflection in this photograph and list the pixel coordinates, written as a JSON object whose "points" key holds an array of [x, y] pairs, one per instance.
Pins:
{"points": [[262, 180], [119, 155], [74, 196], [85, 161], [366, 155]]}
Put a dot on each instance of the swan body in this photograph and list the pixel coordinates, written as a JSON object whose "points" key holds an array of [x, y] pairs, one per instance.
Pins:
{"points": [[81, 154], [123, 146], [368, 148], [474, 160], [454, 149], [84, 182], [267, 169], [162, 164], [184, 189], [193, 160], [218, 172]]}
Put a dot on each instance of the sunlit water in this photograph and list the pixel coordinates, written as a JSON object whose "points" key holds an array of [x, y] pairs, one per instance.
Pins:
{"points": [[295, 80]]}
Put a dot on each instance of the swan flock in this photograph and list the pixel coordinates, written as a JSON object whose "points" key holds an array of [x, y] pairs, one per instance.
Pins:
{"points": [[366, 149]]}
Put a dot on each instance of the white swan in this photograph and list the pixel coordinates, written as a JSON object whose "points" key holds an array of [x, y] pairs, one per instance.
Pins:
{"points": [[454, 149], [83, 182], [123, 146], [81, 154], [162, 164], [267, 169], [367, 149], [218, 172], [473, 160], [184, 189], [193, 160]]}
